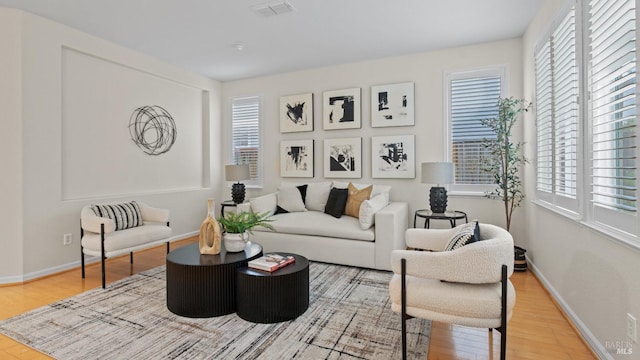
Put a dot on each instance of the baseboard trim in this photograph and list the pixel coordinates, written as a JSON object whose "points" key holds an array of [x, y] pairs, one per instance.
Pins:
{"points": [[21, 279], [590, 339]]}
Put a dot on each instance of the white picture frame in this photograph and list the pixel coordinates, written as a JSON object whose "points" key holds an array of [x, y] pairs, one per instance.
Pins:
{"points": [[343, 158], [296, 113], [393, 105], [341, 109], [393, 157], [296, 158]]}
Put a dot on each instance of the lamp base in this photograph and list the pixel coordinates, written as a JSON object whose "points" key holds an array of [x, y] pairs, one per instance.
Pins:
{"points": [[237, 193], [438, 199]]}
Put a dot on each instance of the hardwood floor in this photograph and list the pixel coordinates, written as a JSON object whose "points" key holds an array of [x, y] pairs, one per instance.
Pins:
{"points": [[538, 329]]}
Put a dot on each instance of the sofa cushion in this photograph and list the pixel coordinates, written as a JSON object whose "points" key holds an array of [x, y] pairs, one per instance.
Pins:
{"points": [[264, 204], [355, 198], [317, 195], [465, 234], [377, 189], [125, 215], [368, 210], [316, 223], [290, 199], [336, 202]]}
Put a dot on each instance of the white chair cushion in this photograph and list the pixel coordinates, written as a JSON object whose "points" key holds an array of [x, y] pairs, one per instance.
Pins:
{"points": [[128, 238]]}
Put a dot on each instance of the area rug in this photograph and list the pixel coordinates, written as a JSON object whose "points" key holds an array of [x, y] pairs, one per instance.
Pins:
{"points": [[349, 317]]}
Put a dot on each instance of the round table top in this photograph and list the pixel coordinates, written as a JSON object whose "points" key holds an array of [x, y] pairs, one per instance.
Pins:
{"points": [[300, 264], [452, 214], [190, 255]]}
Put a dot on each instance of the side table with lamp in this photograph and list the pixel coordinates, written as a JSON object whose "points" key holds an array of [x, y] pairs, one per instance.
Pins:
{"points": [[438, 173], [236, 173]]}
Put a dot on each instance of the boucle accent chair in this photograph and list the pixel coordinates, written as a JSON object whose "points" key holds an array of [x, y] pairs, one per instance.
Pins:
{"points": [[467, 286], [109, 230]]}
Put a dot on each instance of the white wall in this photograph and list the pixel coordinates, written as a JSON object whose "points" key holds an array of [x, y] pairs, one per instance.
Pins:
{"points": [[10, 144], [46, 215], [595, 278], [426, 70]]}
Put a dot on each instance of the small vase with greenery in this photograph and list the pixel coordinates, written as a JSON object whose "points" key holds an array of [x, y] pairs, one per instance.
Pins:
{"points": [[236, 226], [506, 157]]}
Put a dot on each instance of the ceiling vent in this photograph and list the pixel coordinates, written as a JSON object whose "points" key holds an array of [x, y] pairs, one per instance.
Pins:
{"points": [[273, 8]]}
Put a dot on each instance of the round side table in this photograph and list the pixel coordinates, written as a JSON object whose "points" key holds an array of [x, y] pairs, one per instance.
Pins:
{"points": [[429, 215], [271, 297]]}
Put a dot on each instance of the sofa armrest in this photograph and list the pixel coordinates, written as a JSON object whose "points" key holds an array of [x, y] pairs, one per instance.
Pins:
{"points": [[154, 214], [89, 221], [390, 226], [246, 207]]}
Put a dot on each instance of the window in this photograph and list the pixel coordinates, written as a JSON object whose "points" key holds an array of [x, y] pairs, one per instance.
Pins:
{"points": [[603, 125], [245, 136], [471, 96], [557, 116], [613, 110]]}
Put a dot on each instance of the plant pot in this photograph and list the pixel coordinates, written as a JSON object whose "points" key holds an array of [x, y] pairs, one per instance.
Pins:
{"points": [[235, 242]]}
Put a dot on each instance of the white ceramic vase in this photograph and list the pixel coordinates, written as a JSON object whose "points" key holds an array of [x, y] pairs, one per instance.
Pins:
{"points": [[235, 242]]}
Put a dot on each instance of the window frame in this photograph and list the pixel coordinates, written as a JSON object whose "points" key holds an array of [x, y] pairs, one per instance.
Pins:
{"points": [[497, 70], [258, 182]]}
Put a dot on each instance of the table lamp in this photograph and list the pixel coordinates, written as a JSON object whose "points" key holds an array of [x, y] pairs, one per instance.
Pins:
{"points": [[437, 173], [237, 173]]}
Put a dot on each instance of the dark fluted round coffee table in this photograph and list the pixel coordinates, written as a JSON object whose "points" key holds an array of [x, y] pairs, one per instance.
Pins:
{"points": [[282, 295], [205, 285]]}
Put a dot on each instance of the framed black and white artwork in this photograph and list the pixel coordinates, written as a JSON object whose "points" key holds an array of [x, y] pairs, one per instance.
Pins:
{"points": [[341, 109], [393, 157], [296, 113], [296, 158], [343, 158], [392, 105]]}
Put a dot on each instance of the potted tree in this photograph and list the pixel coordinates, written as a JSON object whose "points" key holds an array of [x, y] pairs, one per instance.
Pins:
{"points": [[237, 228], [506, 156]]}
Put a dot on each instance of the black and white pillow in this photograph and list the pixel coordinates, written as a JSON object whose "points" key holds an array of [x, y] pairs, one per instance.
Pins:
{"points": [[291, 199], [466, 234], [125, 215]]}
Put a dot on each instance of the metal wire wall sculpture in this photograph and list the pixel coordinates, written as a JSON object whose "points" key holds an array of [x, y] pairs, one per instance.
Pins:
{"points": [[152, 128]]}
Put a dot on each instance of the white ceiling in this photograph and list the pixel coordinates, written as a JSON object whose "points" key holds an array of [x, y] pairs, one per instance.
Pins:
{"points": [[200, 34]]}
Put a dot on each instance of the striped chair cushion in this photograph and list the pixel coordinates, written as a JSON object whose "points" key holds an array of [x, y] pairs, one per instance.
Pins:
{"points": [[466, 234], [125, 215]]}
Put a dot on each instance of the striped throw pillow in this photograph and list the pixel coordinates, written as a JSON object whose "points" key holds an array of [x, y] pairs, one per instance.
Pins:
{"points": [[125, 215], [466, 234]]}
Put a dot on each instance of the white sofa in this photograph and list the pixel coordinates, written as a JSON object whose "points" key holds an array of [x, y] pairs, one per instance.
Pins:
{"points": [[347, 240], [121, 228]]}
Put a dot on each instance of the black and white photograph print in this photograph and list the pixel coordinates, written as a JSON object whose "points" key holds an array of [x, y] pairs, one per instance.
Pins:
{"points": [[296, 158], [343, 158], [393, 157], [341, 109], [296, 113], [392, 105]]}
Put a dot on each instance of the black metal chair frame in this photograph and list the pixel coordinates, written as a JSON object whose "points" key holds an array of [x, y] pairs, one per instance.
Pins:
{"points": [[503, 313], [103, 257]]}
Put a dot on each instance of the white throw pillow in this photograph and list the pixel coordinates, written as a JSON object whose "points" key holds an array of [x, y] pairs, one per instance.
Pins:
{"points": [[290, 199], [266, 203], [377, 189], [368, 210], [317, 195]]}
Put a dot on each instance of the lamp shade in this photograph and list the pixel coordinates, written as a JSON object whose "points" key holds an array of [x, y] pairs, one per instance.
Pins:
{"points": [[437, 173], [236, 172]]}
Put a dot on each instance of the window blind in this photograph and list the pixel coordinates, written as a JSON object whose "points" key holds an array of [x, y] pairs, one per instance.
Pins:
{"points": [[472, 100], [245, 134], [612, 40], [565, 106], [544, 118]]}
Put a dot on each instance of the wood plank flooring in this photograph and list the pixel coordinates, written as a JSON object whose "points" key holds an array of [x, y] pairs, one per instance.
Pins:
{"points": [[538, 329]]}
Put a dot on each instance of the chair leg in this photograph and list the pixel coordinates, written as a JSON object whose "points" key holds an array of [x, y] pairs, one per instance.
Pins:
{"points": [[503, 324], [131, 257], [403, 313], [168, 241], [102, 254], [81, 249]]}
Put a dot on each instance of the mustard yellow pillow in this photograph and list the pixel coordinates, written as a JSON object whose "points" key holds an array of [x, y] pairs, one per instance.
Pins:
{"points": [[355, 199]]}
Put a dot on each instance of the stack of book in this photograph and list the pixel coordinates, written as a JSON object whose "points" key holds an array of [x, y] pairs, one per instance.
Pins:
{"points": [[271, 262]]}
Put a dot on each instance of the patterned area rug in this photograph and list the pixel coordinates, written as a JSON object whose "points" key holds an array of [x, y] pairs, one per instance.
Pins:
{"points": [[349, 317]]}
